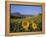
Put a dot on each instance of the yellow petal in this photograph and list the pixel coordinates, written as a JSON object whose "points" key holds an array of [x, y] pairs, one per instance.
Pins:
{"points": [[34, 26]]}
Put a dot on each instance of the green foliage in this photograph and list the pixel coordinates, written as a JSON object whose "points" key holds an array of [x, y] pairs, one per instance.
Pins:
{"points": [[16, 24]]}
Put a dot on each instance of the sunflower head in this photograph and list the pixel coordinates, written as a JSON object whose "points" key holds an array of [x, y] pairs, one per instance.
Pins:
{"points": [[25, 24], [34, 25]]}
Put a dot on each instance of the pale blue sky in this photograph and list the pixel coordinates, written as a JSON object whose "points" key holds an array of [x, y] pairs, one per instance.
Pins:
{"points": [[26, 10]]}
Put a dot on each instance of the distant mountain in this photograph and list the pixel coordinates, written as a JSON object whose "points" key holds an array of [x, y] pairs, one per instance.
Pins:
{"points": [[15, 14], [19, 14]]}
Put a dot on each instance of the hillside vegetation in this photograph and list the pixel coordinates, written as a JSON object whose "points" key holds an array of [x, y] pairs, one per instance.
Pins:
{"points": [[26, 24]]}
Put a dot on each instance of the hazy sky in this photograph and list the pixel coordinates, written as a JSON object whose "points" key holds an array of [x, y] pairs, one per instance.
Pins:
{"points": [[26, 10]]}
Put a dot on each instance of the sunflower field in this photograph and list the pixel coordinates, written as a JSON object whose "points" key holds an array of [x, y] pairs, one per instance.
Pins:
{"points": [[27, 24]]}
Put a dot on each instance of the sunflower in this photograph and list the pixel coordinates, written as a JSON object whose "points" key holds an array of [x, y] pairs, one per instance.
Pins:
{"points": [[25, 24], [34, 25]]}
